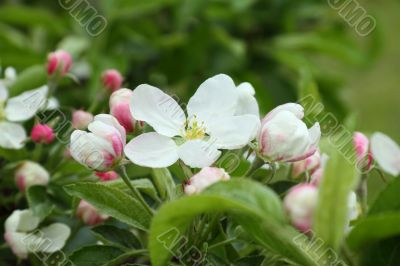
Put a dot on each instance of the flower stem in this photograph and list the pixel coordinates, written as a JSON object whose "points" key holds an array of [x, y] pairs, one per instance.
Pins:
{"points": [[362, 191], [257, 164], [134, 190]]}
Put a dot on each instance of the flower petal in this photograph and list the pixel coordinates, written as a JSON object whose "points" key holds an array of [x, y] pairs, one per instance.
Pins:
{"points": [[234, 132], [217, 96], [152, 150], [53, 237], [198, 153], [52, 104], [21, 221], [17, 245], [12, 135], [25, 105], [158, 109], [294, 108], [386, 152], [247, 103], [111, 120], [3, 91]]}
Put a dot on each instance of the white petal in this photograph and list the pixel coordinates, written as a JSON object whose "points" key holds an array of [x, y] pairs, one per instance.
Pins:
{"points": [[234, 132], [25, 105], [111, 120], [52, 104], [314, 134], [17, 243], [152, 150], [10, 74], [12, 135], [3, 91], [247, 103], [53, 237], [198, 153], [386, 152], [21, 221], [294, 108], [157, 109], [217, 96]]}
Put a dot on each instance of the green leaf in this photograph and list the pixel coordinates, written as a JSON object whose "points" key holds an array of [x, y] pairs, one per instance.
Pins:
{"points": [[29, 79], [112, 235], [112, 202], [94, 255], [143, 184], [164, 182], [374, 228], [388, 199], [339, 180], [39, 202], [257, 208]]}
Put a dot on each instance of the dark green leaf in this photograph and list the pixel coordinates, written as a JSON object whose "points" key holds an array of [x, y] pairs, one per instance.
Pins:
{"points": [[388, 199], [94, 255], [112, 235], [39, 202]]}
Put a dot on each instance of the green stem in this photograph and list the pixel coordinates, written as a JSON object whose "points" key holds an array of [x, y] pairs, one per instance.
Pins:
{"points": [[226, 241], [257, 164], [119, 260], [134, 190], [362, 192]]}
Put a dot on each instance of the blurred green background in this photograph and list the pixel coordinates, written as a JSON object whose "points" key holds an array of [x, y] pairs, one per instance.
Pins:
{"points": [[286, 49]]}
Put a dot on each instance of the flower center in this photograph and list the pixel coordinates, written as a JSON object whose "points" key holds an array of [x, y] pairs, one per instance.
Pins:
{"points": [[194, 129]]}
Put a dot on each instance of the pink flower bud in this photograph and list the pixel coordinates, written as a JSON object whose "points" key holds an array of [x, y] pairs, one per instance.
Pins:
{"points": [[361, 145], [310, 164], [42, 134], [300, 204], [88, 214], [59, 62], [119, 108], [112, 79], [107, 176], [29, 174], [206, 177], [81, 119]]}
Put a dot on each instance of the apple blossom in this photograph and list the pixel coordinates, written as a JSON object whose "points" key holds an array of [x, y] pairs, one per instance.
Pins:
{"points": [[22, 235], [102, 149], [361, 145], [211, 125], [300, 203], [386, 152], [318, 173], [112, 79], [119, 108], [88, 214], [30, 173], [42, 134], [310, 164], [206, 177], [59, 62], [285, 137], [247, 103], [81, 119], [18, 109], [107, 176]]}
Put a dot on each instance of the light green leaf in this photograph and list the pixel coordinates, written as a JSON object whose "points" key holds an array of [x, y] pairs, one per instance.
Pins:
{"points": [[257, 208], [165, 184], [338, 181], [39, 202], [112, 202], [144, 185], [388, 199], [31, 78]]}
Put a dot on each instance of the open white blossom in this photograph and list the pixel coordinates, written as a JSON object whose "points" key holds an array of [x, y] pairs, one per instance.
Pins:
{"points": [[210, 125], [18, 109], [386, 152], [22, 235]]}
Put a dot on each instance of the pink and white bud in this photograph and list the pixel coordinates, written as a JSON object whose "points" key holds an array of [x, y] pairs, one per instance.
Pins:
{"points": [[308, 165], [318, 173], [59, 62], [102, 149], [42, 134], [81, 119], [205, 178], [363, 155], [89, 215], [300, 204], [285, 137], [29, 174], [107, 176], [112, 79], [119, 108]]}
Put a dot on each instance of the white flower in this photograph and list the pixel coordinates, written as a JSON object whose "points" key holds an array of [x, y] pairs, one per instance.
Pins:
{"points": [[205, 178], [101, 149], [285, 137], [247, 103], [386, 152], [210, 125], [18, 109], [22, 237], [29, 174]]}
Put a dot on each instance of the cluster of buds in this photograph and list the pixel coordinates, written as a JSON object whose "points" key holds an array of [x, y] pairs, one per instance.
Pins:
{"points": [[42, 134], [59, 63]]}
